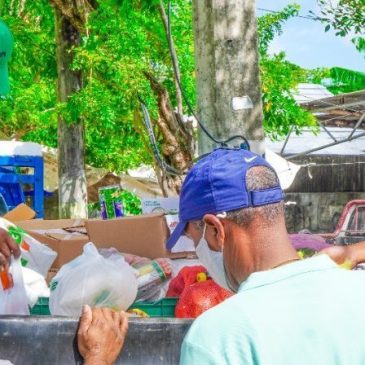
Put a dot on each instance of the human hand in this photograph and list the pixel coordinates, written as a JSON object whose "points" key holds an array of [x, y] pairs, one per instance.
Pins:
{"points": [[101, 335], [7, 248], [342, 255]]}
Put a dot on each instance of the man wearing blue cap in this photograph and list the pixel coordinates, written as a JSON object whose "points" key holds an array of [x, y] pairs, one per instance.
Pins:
{"points": [[286, 311]]}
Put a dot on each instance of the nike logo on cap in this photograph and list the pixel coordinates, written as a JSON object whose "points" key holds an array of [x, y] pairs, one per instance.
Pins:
{"points": [[248, 160]]}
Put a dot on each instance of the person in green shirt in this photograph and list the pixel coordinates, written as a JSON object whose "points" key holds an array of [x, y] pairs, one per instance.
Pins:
{"points": [[6, 49], [285, 310]]}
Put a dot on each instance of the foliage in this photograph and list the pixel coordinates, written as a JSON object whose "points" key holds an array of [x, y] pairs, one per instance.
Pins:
{"points": [[124, 38], [29, 111], [279, 79], [342, 80], [338, 80], [346, 17], [270, 25]]}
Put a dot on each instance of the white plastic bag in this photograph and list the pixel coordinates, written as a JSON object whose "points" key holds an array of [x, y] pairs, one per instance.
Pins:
{"points": [[13, 299], [94, 280], [34, 255], [35, 286]]}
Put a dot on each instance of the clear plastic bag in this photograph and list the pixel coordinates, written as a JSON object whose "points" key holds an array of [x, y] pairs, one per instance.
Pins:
{"points": [[34, 255], [94, 280], [151, 275], [13, 298]]}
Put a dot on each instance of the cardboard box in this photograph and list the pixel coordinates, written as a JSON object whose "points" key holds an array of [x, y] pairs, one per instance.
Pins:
{"points": [[55, 234], [160, 205], [169, 206], [20, 213], [141, 235]]}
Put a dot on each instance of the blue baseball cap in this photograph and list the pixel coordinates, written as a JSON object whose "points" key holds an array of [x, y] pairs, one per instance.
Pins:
{"points": [[217, 184]]}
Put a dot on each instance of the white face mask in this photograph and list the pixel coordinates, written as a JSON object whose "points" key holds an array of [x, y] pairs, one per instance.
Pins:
{"points": [[213, 262]]}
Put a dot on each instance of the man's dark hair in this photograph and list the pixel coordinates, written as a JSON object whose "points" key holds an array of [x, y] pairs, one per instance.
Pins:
{"points": [[258, 178]]}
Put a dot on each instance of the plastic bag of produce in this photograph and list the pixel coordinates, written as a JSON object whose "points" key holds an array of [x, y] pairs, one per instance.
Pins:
{"points": [[13, 298], [199, 297], [94, 280], [34, 255], [197, 292], [151, 276], [187, 275]]}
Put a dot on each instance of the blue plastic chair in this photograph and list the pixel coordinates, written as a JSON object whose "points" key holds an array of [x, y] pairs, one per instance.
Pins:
{"points": [[3, 206], [11, 181]]}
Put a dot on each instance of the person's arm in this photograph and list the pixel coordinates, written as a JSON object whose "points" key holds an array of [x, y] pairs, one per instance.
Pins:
{"points": [[7, 248], [101, 335], [347, 255]]}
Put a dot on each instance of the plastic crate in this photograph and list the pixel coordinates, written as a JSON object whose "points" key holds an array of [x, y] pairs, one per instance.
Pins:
{"points": [[41, 308], [162, 308]]}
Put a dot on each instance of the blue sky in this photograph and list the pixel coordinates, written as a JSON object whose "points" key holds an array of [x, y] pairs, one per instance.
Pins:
{"points": [[307, 44]]}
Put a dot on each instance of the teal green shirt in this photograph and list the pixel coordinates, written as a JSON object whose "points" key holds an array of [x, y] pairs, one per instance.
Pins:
{"points": [[308, 312]]}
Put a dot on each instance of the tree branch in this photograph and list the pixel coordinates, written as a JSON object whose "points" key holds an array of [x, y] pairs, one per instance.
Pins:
{"points": [[174, 59]]}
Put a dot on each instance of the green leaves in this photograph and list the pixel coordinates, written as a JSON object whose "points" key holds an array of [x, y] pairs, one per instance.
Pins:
{"points": [[123, 39], [270, 25], [279, 79], [346, 17], [341, 80]]}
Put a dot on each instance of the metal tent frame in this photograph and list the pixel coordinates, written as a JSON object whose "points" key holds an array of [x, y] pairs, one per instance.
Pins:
{"points": [[347, 107]]}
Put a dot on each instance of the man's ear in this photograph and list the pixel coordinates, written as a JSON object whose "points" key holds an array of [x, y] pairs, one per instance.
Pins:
{"points": [[215, 234]]}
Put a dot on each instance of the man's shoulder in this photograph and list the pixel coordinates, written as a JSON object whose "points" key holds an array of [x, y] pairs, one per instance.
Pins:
{"points": [[215, 331], [220, 317]]}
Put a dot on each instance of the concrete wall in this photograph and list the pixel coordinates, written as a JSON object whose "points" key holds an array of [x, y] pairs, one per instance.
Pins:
{"points": [[318, 212], [329, 173]]}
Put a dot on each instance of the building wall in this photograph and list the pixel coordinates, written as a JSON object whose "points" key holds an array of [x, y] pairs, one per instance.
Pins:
{"points": [[318, 212], [329, 173]]}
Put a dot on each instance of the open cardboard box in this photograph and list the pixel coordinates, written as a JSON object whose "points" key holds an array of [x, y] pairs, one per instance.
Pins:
{"points": [[20, 213], [54, 234], [141, 235]]}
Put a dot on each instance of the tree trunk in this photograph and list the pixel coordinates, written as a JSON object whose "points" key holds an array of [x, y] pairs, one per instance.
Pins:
{"points": [[176, 145], [71, 169], [174, 59], [227, 68]]}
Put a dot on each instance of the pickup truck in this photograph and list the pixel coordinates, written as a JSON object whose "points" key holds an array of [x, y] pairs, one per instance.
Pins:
{"points": [[351, 225], [350, 229]]}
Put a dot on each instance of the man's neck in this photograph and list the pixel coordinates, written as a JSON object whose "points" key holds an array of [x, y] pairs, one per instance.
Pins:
{"points": [[276, 252], [265, 252]]}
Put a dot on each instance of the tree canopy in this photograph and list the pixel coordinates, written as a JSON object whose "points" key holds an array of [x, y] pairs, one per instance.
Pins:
{"points": [[122, 41], [346, 17]]}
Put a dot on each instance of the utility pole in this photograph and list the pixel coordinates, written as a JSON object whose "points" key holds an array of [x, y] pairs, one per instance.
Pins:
{"points": [[227, 72]]}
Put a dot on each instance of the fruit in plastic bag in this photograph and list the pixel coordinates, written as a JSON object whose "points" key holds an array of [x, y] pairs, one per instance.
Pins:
{"points": [[187, 275], [94, 280], [199, 297]]}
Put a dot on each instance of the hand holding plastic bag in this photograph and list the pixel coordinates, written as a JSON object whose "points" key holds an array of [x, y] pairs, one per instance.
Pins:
{"points": [[13, 298], [94, 280], [34, 255]]}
